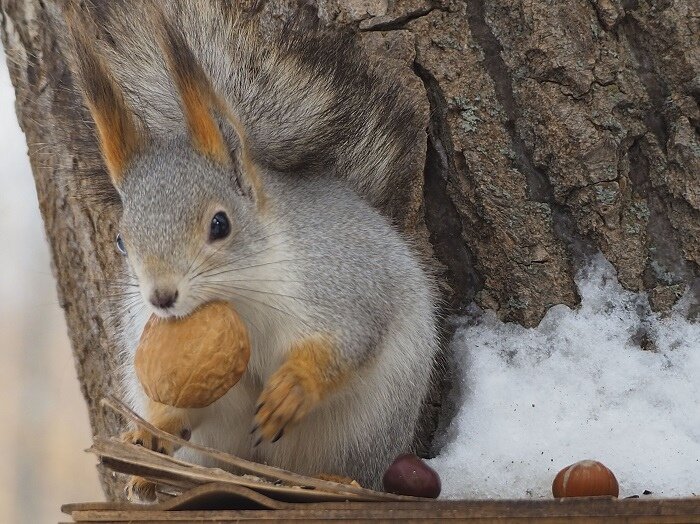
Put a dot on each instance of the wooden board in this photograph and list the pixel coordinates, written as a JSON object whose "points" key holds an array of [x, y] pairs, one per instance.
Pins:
{"points": [[228, 503], [506, 511]]}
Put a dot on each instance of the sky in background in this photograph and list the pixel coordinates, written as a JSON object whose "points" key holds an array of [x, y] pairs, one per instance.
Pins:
{"points": [[45, 419]]}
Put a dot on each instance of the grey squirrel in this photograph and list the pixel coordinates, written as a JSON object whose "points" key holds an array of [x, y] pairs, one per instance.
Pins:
{"points": [[250, 169]]}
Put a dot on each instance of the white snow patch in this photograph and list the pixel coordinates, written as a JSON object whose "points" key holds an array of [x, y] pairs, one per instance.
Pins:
{"points": [[577, 386]]}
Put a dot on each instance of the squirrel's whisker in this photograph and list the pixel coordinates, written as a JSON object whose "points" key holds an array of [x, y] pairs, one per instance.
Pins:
{"points": [[290, 260], [201, 298], [224, 284], [247, 255], [122, 295], [261, 302], [282, 280], [194, 259]]}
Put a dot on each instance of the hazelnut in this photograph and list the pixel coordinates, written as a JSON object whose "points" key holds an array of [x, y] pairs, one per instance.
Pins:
{"points": [[190, 362], [587, 478]]}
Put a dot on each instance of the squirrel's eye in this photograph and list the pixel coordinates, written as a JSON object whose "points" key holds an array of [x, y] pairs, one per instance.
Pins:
{"points": [[219, 226], [120, 245]]}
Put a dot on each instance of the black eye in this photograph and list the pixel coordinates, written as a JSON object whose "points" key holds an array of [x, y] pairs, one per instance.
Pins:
{"points": [[219, 226], [120, 245]]}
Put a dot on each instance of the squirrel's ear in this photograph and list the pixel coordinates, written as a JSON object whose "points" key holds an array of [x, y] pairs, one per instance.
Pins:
{"points": [[195, 96], [200, 103], [118, 135]]}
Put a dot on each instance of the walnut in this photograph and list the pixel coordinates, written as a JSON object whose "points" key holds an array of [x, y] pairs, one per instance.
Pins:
{"points": [[191, 362]]}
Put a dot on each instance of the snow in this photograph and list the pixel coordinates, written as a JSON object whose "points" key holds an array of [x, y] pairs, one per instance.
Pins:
{"points": [[578, 386]]}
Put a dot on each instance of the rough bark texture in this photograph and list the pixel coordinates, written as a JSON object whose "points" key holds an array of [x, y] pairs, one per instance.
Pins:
{"points": [[556, 129]]}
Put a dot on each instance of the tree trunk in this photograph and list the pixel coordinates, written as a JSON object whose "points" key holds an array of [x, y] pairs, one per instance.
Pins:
{"points": [[556, 129]]}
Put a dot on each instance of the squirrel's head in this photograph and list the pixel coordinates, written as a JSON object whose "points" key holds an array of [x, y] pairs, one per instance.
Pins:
{"points": [[191, 204], [185, 219]]}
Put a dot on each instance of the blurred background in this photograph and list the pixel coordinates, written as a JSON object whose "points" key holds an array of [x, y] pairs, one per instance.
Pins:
{"points": [[46, 427]]}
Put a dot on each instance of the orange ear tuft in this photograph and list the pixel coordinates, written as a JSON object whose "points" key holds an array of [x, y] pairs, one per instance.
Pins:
{"points": [[196, 95], [118, 135], [204, 130], [200, 102]]}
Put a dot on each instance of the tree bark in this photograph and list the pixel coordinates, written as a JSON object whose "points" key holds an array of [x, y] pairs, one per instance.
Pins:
{"points": [[556, 129]]}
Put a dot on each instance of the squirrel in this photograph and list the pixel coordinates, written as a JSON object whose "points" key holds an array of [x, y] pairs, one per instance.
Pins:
{"points": [[251, 168]]}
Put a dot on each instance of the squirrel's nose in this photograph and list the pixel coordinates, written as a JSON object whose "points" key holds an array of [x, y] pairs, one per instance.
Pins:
{"points": [[163, 298]]}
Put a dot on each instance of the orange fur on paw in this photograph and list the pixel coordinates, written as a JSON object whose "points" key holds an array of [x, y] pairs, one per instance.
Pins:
{"points": [[283, 403], [141, 437], [140, 489], [297, 386], [166, 418]]}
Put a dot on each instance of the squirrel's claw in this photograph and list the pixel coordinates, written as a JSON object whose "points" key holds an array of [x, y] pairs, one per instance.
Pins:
{"points": [[282, 403], [139, 489], [259, 440], [146, 439]]}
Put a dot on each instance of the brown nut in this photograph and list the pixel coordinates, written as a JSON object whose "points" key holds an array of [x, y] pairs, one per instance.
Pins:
{"points": [[409, 475], [191, 362], [587, 478]]}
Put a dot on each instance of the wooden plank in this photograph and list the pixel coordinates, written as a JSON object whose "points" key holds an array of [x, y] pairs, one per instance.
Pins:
{"points": [[570, 506], [315, 515], [546, 520], [514, 520], [579, 510]]}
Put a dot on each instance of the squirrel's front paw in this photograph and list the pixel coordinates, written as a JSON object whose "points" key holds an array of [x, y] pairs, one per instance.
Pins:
{"points": [[283, 402], [138, 489], [144, 438]]}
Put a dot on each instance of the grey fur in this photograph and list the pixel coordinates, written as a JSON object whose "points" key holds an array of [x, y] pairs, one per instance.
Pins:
{"points": [[317, 258]]}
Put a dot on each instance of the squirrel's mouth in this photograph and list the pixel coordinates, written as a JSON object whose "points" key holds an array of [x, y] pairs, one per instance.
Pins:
{"points": [[168, 298], [165, 312], [172, 312], [181, 308]]}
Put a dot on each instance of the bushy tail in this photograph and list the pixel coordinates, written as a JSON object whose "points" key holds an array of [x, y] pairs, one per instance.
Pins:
{"points": [[308, 99]]}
